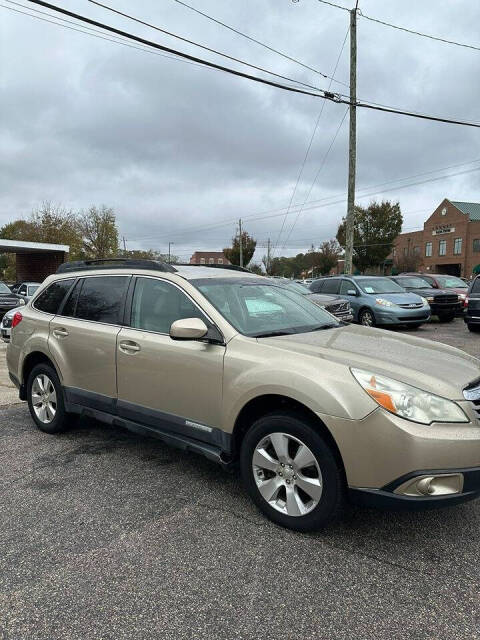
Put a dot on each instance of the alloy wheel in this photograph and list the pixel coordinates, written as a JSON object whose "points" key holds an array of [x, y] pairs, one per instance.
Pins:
{"points": [[367, 319], [287, 474], [44, 398]]}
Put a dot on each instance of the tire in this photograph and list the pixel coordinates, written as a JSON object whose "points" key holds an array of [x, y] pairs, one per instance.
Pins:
{"points": [[49, 416], [367, 318], [474, 328], [322, 475], [449, 317]]}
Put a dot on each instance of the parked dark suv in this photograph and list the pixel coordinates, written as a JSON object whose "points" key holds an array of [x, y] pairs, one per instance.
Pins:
{"points": [[443, 303], [8, 300], [472, 306]]}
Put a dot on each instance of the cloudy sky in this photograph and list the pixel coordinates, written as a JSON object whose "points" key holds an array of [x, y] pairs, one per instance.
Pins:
{"points": [[181, 152]]}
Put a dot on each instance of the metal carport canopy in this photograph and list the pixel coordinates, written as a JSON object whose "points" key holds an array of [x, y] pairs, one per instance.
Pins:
{"points": [[19, 246]]}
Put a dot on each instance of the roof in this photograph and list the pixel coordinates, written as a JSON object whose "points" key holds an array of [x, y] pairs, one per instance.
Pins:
{"points": [[194, 272], [471, 209], [17, 246]]}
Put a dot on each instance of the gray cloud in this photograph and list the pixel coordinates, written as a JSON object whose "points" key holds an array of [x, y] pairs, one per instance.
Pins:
{"points": [[174, 148]]}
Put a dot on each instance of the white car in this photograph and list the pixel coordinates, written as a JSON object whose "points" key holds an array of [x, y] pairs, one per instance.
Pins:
{"points": [[6, 324]]}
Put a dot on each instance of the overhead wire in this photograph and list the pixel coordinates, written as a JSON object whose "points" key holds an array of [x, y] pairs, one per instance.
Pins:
{"points": [[262, 44], [317, 93], [307, 152]]}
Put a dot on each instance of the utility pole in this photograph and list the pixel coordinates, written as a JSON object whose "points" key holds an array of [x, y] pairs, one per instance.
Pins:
{"points": [[241, 242], [268, 257], [124, 244], [352, 150], [169, 254]]}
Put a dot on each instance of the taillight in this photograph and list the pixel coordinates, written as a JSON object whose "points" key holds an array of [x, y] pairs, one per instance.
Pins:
{"points": [[465, 304], [17, 318]]}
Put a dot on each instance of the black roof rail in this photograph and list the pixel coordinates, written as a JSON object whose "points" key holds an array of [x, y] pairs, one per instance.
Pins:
{"points": [[232, 267], [115, 263]]}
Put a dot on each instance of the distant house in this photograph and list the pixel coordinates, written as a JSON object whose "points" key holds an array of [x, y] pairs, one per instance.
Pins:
{"points": [[209, 257]]}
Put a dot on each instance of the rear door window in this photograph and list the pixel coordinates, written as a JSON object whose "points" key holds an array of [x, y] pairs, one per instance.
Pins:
{"points": [[51, 298], [317, 286], [101, 299]]}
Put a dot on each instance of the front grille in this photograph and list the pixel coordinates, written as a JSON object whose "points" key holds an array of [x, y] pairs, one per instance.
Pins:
{"points": [[445, 299], [414, 305], [338, 307]]}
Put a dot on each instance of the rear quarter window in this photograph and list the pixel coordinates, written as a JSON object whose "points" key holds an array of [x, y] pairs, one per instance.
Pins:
{"points": [[51, 298]]}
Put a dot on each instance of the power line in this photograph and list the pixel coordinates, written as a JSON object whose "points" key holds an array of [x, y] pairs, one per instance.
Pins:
{"points": [[400, 28], [322, 164], [201, 46], [96, 34], [307, 152], [262, 44], [319, 93]]}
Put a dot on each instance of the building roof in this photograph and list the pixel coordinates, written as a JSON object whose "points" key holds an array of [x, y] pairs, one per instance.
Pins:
{"points": [[472, 209], [18, 246]]}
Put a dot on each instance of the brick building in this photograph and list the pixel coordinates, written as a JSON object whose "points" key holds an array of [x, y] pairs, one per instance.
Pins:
{"points": [[449, 242], [35, 260], [209, 257]]}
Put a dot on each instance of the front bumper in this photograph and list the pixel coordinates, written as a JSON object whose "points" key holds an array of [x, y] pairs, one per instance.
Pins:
{"points": [[445, 309], [388, 497], [382, 447], [401, 316]]}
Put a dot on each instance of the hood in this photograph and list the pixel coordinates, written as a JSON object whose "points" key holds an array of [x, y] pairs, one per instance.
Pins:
{"points": [[425, 364], [398, 298], [323, 298], [430, 291], [9, 297]]}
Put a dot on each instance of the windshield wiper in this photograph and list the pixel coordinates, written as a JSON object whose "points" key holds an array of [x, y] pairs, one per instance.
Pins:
{"points": [[321, 327], [271, 334]]}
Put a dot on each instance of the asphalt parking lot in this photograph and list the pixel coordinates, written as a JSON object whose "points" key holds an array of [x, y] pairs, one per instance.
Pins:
{"points": [[104, 535]]}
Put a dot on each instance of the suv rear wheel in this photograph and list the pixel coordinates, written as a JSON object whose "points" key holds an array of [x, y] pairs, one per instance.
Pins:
{"points": [[45, 399], [290, 472]]}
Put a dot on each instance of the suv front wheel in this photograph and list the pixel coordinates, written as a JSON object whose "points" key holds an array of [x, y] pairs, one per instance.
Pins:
{"points": [[291, 473], [45, 399]]}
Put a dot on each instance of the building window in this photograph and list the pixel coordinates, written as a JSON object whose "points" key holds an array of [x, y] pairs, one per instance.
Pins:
{"points": [[442, 248], [202, 260], [405, 251], [211, 261], [457, 246], [428, 249], [476, 245], [394, 252], [416, 251], [220, 261]]}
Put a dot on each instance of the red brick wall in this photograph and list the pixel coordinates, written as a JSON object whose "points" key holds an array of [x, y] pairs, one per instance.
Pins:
{"points": [[35, 267]]}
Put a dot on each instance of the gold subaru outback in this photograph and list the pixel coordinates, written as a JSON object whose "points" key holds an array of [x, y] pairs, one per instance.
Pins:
{"points": [[228, 364]]}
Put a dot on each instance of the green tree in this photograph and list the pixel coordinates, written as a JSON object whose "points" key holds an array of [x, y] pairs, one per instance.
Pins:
{"points": [[256, 268], [99, 232], [375, 229], [327, 256], [248, 246]]}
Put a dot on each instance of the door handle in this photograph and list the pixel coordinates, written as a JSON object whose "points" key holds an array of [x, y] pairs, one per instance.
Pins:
{"points": [[61, 332], [129, 347]]}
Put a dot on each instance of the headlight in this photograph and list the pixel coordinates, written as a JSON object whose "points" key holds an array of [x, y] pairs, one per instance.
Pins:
{"points": [[408, 402], [426, 301], [461, 296], [429, 299], [384, 303], [20, 302]]}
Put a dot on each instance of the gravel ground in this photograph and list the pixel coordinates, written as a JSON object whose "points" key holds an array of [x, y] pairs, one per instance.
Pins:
{"points": [[104, 535]]}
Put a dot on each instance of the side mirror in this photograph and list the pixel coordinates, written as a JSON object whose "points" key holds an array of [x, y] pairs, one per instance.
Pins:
{"points": [[351, 292], [188, 329]]}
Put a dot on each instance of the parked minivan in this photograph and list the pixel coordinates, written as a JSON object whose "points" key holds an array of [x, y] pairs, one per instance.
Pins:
{"points": [[376, 300], [227, 364]]}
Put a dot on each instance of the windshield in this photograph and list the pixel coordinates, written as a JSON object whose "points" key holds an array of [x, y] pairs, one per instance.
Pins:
{"points": [[258, 309], [413, 283], [4, 288], [32, 288], [451, 282], [379, 285], [294, 286]]}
